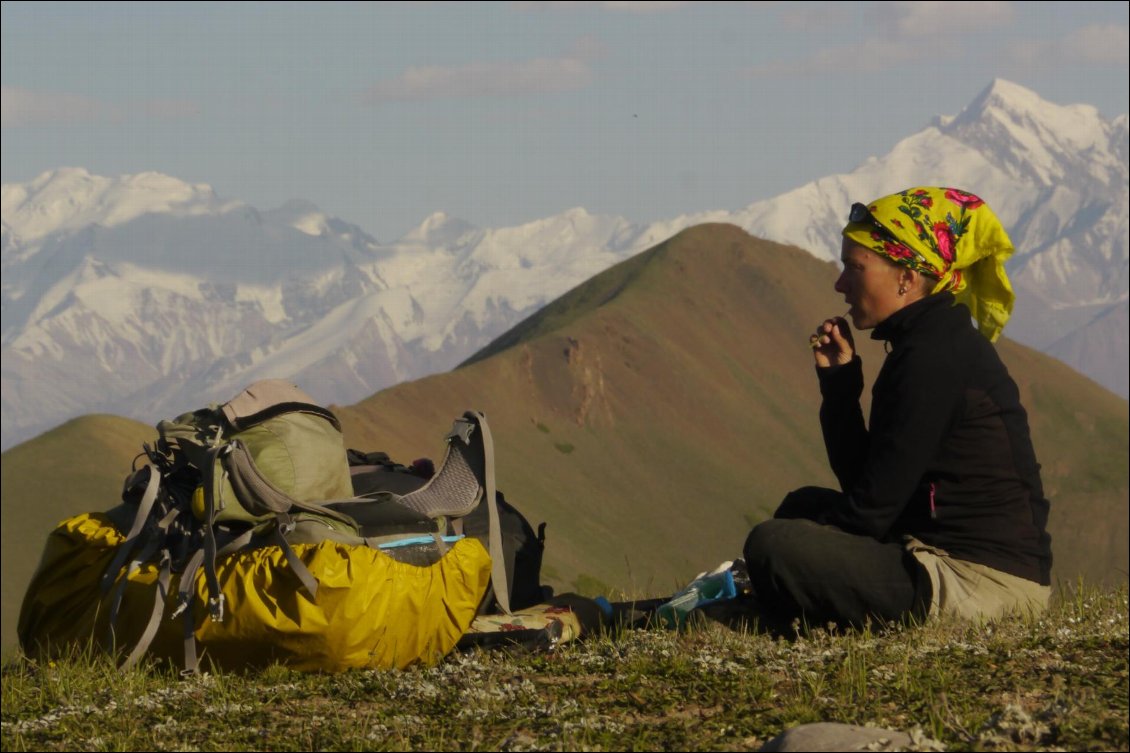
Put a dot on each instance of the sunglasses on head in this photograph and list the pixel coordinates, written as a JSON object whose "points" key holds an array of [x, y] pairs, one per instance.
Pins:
{"points": [[860, 213]]}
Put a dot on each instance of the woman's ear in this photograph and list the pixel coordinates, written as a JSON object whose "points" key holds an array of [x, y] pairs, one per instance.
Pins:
{"points": [[907, 280], [913, 283]]}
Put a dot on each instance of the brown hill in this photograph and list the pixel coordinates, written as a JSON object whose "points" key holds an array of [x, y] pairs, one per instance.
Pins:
{"points": [[653, 414]]}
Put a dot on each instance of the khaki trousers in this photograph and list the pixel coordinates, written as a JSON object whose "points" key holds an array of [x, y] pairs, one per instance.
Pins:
{"points": [[973, 591]]}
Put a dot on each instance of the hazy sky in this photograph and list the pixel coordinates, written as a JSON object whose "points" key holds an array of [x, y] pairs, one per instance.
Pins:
{"points": [[501, 113]]}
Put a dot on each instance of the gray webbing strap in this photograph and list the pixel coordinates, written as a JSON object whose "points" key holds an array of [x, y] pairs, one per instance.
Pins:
{"points": [[160, 595], [144, 507], [497, 556], [159, 598], [237, 543], [297, 566], [187, 588], [148, 551], [191, 660], [187, 591]]}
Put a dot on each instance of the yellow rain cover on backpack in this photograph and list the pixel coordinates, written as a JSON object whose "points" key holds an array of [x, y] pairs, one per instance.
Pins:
{"points": [[370, 611]]}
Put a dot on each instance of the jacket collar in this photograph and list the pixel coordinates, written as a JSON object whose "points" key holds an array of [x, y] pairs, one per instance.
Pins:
{"points": [[896, 326]]}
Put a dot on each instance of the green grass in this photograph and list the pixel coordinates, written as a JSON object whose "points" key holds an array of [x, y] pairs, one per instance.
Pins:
{"points": [[587, 585], [1057, 682]]}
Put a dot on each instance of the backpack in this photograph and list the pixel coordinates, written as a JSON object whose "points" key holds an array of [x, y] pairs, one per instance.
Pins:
{"points": [[243, 523]]}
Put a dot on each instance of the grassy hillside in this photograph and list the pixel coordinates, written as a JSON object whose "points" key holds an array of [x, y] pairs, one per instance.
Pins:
{"points": [[651, 416], [1054, 683], [1080, 433], [76, 467]]}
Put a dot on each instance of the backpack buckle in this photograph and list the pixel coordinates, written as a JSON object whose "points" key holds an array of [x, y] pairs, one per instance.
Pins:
{"points": [[182, 605], [216, 608]]}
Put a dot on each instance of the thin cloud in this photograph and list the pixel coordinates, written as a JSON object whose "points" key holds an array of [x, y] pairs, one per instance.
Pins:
{"points": [[932, 18], [170, 109], [653, 7], [485, 79], [1097, 44], [868, 56], [21, 107], [25, 107], [808, 16], [553, 5], [896, 20], [630, 7], [588, 48]]}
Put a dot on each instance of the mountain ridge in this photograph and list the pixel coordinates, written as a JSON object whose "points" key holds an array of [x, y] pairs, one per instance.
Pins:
{"points": [[173, 293]]}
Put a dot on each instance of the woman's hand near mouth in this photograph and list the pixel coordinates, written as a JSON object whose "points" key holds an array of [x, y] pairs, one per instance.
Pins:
{"points": [[832, 343]]}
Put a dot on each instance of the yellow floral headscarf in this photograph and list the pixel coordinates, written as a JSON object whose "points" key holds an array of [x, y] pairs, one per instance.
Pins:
{"points": [[950, 235]]}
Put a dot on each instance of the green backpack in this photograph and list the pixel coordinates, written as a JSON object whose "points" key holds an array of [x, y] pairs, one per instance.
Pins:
{"points": [[269, 450], [269, 467]]}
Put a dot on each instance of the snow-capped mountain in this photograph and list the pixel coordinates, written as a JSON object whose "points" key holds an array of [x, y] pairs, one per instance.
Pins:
{"points": [[1058, 179], [144, 296]]}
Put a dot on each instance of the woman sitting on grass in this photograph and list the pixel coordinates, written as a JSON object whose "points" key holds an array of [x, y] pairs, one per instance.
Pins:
{"points": [[941, 508]]}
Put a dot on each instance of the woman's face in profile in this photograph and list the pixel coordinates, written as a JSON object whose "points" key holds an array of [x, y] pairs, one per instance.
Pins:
{"points": [[869, 284]]}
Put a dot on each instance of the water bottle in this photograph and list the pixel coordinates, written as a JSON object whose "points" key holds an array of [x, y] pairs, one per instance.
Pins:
{"points": [[707, 588]]}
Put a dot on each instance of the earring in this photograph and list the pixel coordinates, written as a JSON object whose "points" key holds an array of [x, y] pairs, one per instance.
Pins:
{"points": [[902, 291]]}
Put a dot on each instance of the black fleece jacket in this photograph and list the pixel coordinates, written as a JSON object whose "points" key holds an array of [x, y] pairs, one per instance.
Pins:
{"points": [[947, 456]]}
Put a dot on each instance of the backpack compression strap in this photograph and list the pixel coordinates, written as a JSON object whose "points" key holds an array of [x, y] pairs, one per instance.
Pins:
{"points": [[258, 495], [497, 556], [144, 508]]}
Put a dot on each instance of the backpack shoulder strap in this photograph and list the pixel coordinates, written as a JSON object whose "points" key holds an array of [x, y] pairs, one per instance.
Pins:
{"points": [[465, 478]]}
